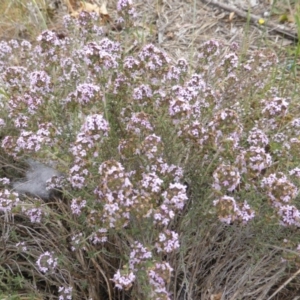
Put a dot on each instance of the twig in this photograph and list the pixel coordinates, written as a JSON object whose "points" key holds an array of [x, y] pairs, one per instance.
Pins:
{"points": [[284, 284], [273, 26], [69, 6], [105, 278]]}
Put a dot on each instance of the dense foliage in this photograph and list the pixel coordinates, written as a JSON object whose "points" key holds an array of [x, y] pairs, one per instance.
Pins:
{"points": [[141, 146]]}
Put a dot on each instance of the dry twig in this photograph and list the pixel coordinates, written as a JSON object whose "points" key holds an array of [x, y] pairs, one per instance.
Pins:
{"points": [[273, 26]]}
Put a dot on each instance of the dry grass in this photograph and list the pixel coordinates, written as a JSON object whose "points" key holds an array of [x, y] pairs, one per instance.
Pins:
{"points": [[220, 260], [22, 19], [179, 27]]}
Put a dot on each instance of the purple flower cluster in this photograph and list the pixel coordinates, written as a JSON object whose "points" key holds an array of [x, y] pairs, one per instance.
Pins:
{"points": [[77, 205], [138, 256], [126, 12], [77, 242], [91, 135], [230, 211], [29, 141], [295, 172], [279, 189], [159, 276], [8, 200], [257, 138], [151, 183], [177, 71], [253, 160], [47, 262], [116, 194], [123, 280], [56, 183], [65, 293], [226, 177], [281, 192], [139, 124], [167, 241], [20, 104], [39, 82], [33, 213], [275, 107], [154, 60], [100, 56], [85, 93], [143, 95], [289, 215], [16, 78], [21, 246], [99, 236], [226, 124], [174, 199]]}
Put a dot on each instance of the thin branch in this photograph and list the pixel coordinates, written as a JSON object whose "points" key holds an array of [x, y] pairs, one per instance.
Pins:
{"points": [[273, 26], [284, 284], [105, 278]]}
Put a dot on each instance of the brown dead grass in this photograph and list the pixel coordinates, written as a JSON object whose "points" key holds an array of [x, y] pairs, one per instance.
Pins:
{"points": [[176, 26], [22, 19]]}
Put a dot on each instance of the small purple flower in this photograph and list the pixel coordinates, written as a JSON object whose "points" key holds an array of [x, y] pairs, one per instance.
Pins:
{"points": [[279, 189], [159, 275], [35, 214], [139, 255], [226, 177], [21, 246], [96, 124], [167, 241], [77, 205], [143, 94], [257, 137], [84, 93], [295, 172], [40, 82], [123, 280], [47, 262], [275, 106], [99, 236], [5, 181], [8, 200], [151, 182], [289, 215], [123, 4], [65, 293]]}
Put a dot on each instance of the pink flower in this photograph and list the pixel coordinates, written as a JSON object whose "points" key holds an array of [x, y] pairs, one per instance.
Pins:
{"points": [[77, 205], [47, 262], [167, 241], [123, 281]]}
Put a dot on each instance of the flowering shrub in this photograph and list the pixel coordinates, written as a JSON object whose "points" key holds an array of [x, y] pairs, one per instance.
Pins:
{"points": [[127, 131]]}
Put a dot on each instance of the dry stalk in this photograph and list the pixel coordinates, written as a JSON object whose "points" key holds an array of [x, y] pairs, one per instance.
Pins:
{"points": [[273, 26], [104, 276], [284, 284]]}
